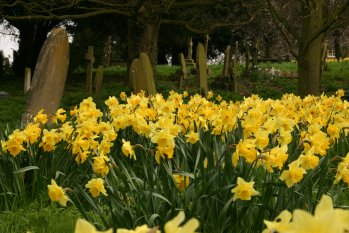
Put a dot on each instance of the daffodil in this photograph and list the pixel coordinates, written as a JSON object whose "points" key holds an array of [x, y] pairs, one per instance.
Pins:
{"points": [[244, 190], [190, 226], [83, 226], [293, 175], [96, 187], [56, 193], [127, 149]]}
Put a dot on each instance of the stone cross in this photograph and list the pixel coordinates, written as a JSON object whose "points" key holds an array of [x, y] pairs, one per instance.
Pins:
{"points": [[27, 79], [49, 77], [90, 60], [202, 68]]}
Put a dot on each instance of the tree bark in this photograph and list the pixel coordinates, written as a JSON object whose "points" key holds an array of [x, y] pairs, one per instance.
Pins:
{"points": [[143, 38], [309, 56], [31, 38]]}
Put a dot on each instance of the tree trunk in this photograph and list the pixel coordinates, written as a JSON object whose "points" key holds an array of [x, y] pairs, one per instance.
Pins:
{"points": [[31, 38], [309, 56], [143, 38], [107, 51], [338, 47]]}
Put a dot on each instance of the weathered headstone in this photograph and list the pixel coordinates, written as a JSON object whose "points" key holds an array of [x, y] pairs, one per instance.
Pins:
{"points": [[49, 77], [202, 68], [227, 61], [133, 72], [98, 79], [90, 60], [27, 79], [190, 61], [183, 71], [141, 76]]}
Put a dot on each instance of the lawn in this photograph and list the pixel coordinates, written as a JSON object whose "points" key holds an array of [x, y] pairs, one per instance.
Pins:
{"points": [[216, 147]]}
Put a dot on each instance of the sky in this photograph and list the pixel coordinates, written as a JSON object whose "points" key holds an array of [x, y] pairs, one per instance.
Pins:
{"points": [[8, 42]]}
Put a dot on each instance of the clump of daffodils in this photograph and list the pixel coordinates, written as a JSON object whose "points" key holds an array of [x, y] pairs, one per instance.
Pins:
{"points": [[173, 226], [325, 219]]}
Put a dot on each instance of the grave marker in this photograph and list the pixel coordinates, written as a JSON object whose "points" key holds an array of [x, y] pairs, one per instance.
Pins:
{"points": [[202, 68], [190, 61], [27, 79], [183, 71], [98, 79], [133, 72], [49, 77]]}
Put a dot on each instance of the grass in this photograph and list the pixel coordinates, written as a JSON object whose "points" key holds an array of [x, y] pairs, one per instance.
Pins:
{"points": [[38, 219], [335, 77]]}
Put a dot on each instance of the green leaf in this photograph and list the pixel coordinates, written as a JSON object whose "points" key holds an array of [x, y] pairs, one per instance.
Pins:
{"points": [[24, 169]]}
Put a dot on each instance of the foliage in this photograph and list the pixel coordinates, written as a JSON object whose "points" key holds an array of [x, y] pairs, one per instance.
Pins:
{"points": [[155, 156]]}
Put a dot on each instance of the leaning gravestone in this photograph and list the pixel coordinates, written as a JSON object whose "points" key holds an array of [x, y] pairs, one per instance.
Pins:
{"points": [[133, 71], [202, 68], [98, 79], [144, 76], [183, 71], [49, 77]]}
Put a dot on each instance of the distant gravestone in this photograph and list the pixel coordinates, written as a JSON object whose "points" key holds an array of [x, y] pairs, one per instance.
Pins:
{"points": [[27, 79], [144, 75], [183, 71], [49, 77], [90, 60], [99, 79], [133, 72], [202, 68], [189, 61]]}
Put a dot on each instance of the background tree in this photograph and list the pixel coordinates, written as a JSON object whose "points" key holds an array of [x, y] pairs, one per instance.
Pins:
{"points": [[304, 24], [144, 16]]}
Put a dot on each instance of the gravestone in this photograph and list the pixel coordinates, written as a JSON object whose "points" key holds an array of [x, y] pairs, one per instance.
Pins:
{"points": [[27, 79], [183, 71], [90, 60], [49, 77], [190, 61], [144, 75], [133, 72], [202, 68], [98, 79]]}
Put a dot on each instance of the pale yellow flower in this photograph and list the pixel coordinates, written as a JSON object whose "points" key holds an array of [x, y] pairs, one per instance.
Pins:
{"points": [[56, 193], [82, 226], [244, 190], [96, 187]]}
